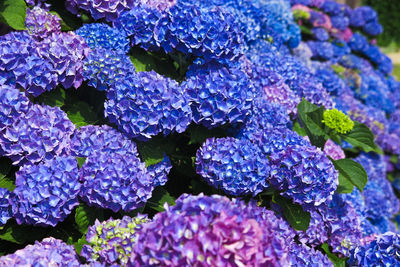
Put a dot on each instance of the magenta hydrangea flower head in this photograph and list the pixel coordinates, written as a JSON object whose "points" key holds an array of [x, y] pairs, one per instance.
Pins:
{"points": [[46, 194], [5, 206], [238, 167], [214, 231], [383, 251], [40, 23], [92, 138], [218, 95], [99, 9], [111, 242], [14, 104], [104, 68], [101, 35], [333, 150], [115, 180], [146, 104], [41, 134], [48, 252]]}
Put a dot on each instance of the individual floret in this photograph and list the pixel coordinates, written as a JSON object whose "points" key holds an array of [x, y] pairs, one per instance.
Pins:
{"points": [[147, 104], [115, 181], [46, 194], [101, 35], [111, 242], [48, 252], [238, 167], [41, 134]]}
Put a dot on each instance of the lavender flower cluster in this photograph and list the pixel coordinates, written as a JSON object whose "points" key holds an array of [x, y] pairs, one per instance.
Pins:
{"points": [[219, 83]]}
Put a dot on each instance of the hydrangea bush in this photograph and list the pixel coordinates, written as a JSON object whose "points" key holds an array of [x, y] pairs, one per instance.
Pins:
{"points": [[197, 133]]}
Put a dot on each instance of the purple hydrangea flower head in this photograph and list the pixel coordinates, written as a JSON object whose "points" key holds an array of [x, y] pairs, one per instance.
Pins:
{"points": [[99, 9], [41, 134], [48, 252], [159, 171], [101, 35], [5, 207], [66, 52], [218, 95], [301, 255], [304, 173], [46, 194], [14, 104], [92, 138], [41, 23], [115, 180], [317, 231], [238, 167], [147, 104], [104, 68], [333, 150], [384, 251], [213, 231], [111, 241], [159, 4]]}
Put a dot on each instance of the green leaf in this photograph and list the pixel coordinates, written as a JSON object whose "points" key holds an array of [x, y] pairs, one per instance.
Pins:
{"points": [[297, 128], [86, 216], [54, 98], [345, 186], [79, 244], [81, 114], [5, 180], [351, 171], [293, 213], [361, 137], [199, 134], [311, 118], [159, 197], [153, 151], [13, 13], [143, 61], [81, 161], [21, 234], [337, 262]]}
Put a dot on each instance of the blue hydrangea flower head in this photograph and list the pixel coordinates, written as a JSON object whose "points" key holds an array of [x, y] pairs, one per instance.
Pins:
{"points": [[41, 23], [358, 43], [99, 9], [101, 35], [147, 104], [92, 138], [49, 251], [304, 173], [159, 171], [41, 134], [218, 95], [114, 180], [46, 194], [103, 68], [383, 251], [5, 206], [238, 167], [320, 34], [111, 241], [199, 222], [14, 104]]}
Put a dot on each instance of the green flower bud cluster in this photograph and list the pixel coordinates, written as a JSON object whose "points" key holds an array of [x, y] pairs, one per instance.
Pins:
{"points": [[337, 120]]}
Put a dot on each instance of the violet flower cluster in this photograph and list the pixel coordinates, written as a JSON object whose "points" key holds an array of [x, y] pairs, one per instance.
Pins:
{"points": [[46, 194], [48, 252], [235, 166], [41, 23], [146, 104]]}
